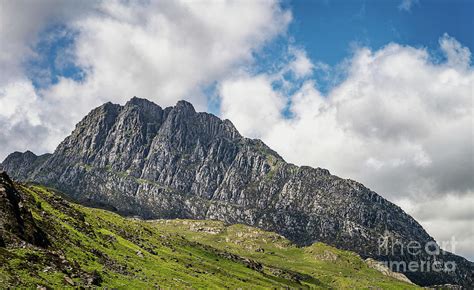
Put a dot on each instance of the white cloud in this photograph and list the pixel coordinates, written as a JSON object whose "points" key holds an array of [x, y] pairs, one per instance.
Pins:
{"points": [[300, 65], [161, 50], [241, 104], [172, 49], [406, 5], [457, 55], [20, 119], [448, 217], [400, 123]]}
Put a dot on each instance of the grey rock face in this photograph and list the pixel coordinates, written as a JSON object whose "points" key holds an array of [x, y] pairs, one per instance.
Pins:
{"points": [[140, 159]]}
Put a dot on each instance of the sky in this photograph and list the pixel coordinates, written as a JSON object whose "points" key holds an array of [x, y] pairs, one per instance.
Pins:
{"points": [[376, 91]]}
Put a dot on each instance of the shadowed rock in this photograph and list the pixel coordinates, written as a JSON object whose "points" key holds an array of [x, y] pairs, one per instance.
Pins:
{"points": [[16, 222]]}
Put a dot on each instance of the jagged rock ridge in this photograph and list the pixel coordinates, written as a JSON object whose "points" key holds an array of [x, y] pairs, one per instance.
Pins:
{"points": [[140, 159]]}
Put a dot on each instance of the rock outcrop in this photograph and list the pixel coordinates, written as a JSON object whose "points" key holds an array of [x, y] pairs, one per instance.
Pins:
{"points": [[142, 160], [386, 271], [16, 222]]}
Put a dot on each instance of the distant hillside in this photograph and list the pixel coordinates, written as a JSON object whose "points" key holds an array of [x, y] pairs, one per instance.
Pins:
{"points": [[48, 241]]}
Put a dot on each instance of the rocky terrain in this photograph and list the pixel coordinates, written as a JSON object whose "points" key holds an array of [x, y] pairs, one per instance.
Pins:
{"points": [[142, 160], [51, 243]]}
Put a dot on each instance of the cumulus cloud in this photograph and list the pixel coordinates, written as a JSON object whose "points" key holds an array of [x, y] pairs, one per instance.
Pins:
{"points": [[161, 50], [172, 49], [400, 122], [18, 123], [241, 105]]}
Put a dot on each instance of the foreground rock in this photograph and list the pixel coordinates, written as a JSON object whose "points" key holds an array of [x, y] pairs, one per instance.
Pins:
{"points": [[140, 159], [16, 223]]}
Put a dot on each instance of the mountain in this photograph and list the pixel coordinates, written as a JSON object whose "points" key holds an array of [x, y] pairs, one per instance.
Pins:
{"points": [[86, 247], [142, 160]]}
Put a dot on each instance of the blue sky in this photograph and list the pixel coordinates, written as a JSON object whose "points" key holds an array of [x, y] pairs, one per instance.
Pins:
{"points": [[328, 29], [53, 57], [376, 91]]}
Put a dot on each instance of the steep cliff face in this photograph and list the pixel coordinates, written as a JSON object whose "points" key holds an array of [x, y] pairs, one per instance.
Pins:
{"points": [[140, 159]]}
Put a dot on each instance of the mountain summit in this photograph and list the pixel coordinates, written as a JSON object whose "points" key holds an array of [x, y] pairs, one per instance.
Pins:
{"points": [[142, 160]]}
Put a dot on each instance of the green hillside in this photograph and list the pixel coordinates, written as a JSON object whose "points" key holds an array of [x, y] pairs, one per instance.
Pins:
{"points": [[95, 247]]}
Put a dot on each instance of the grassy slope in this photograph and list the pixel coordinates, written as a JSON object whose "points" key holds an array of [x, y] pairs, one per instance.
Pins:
{"points": [[129, 253]]}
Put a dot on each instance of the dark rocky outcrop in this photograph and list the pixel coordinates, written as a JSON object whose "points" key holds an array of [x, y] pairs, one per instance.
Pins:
{"points": [[16, 222], [142, 160]]}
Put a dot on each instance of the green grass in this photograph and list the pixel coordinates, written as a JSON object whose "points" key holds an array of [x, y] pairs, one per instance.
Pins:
{"points": [[137, 254]]}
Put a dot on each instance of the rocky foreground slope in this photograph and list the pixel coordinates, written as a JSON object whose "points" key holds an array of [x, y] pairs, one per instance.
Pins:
{"points": [[142, 160], [50, 242]]}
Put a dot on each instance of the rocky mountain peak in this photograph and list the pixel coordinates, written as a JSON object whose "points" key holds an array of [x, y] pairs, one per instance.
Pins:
{"points": [[185, 107], [135, 101], [106, 109], [144, 106], [142, 160]]}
